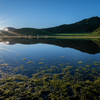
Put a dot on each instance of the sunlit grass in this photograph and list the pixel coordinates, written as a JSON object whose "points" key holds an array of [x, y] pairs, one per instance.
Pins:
{"points": [[76, 34]]}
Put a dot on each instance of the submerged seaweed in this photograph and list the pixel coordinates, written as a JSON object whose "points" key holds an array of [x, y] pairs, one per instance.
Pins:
{"points": [[64, 83]]}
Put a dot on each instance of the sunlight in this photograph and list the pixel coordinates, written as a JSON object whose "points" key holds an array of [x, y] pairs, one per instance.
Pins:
{"points": [[2, 21], [6, 49], [3, 52]]}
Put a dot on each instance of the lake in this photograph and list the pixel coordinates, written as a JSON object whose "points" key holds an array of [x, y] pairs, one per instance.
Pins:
{"points": [[69, 60]]}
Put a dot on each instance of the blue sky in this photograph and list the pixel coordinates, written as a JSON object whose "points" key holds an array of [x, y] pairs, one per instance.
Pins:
{"points": [[45, 13]]}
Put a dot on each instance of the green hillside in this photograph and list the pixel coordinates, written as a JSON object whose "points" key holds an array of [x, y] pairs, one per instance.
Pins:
{"points": [[31, 31], [97, 30], [86, 25]]}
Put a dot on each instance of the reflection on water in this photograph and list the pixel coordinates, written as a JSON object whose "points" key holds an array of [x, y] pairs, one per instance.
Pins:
{"points": [[91, 46], [45, 53]]}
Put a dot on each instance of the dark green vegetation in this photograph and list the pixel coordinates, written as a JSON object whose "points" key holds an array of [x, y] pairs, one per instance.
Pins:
{"points": [[31, 31], [6, 33], [97, 31], [62, 82], [84, 26]]}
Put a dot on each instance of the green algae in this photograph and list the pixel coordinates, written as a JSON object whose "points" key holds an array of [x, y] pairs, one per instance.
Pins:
{"points": [[16, 69], [79, 62], [69, 67], [53, 82], [21, 66], [29, 62], [53, 87], [87, 65], [96, 62], [4, 64], [62, 56], [53, 66], [24, 59], [40, 62]]}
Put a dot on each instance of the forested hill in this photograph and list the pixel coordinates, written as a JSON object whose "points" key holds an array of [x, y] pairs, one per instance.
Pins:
{"points": [[86, 25]]}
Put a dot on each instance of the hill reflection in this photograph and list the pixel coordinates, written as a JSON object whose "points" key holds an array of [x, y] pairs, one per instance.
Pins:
{"points": [[84, 45]]}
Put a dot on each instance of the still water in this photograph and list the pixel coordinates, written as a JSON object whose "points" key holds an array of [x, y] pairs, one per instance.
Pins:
{"points": [[29, 56]]}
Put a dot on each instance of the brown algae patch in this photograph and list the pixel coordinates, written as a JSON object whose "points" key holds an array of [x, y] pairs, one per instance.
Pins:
{"points": [[24, 59], [60, 64], [3, 64], [87, 65], [53, 66], [29, 62], [21, 66], [69, 67], [40, 62], [96, 62], [79, 62], [62, 56]]}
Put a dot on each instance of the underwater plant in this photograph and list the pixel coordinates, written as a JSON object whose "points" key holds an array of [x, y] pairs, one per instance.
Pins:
{"points": [[24, 59]]}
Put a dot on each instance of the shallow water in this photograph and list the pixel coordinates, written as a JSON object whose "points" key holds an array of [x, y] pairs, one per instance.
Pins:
{"points": [[49, 69], [28, 56]]}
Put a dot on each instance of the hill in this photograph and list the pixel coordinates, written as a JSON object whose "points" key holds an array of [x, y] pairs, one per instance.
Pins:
{"points": [[8, 29], [8, 33], [97, 30], [31, 31], [86, 25]]}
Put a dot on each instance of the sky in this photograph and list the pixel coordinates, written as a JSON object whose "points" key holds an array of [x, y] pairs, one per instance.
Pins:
{"points": [[45, 13]]}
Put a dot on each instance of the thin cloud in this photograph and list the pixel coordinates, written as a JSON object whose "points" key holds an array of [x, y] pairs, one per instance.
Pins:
{"points": [[3, 21]]}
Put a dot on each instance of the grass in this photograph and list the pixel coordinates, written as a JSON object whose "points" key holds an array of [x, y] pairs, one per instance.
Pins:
{"points": [[77, 34], [56, 37], [72, 34], [60, 36]]}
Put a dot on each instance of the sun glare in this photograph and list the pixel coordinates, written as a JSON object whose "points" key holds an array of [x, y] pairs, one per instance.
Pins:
{"points": [[2, 21]]}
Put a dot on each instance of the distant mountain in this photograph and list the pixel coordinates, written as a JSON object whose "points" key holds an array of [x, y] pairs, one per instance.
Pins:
{"points": [[8, 29], [86, 25], [31, 31]]}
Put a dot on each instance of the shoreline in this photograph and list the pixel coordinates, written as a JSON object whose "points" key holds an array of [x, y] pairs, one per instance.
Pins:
{"points": [[63, 37]]}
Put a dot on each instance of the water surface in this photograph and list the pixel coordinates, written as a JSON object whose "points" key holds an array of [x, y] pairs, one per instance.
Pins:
{"points": [[29, 56]]}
